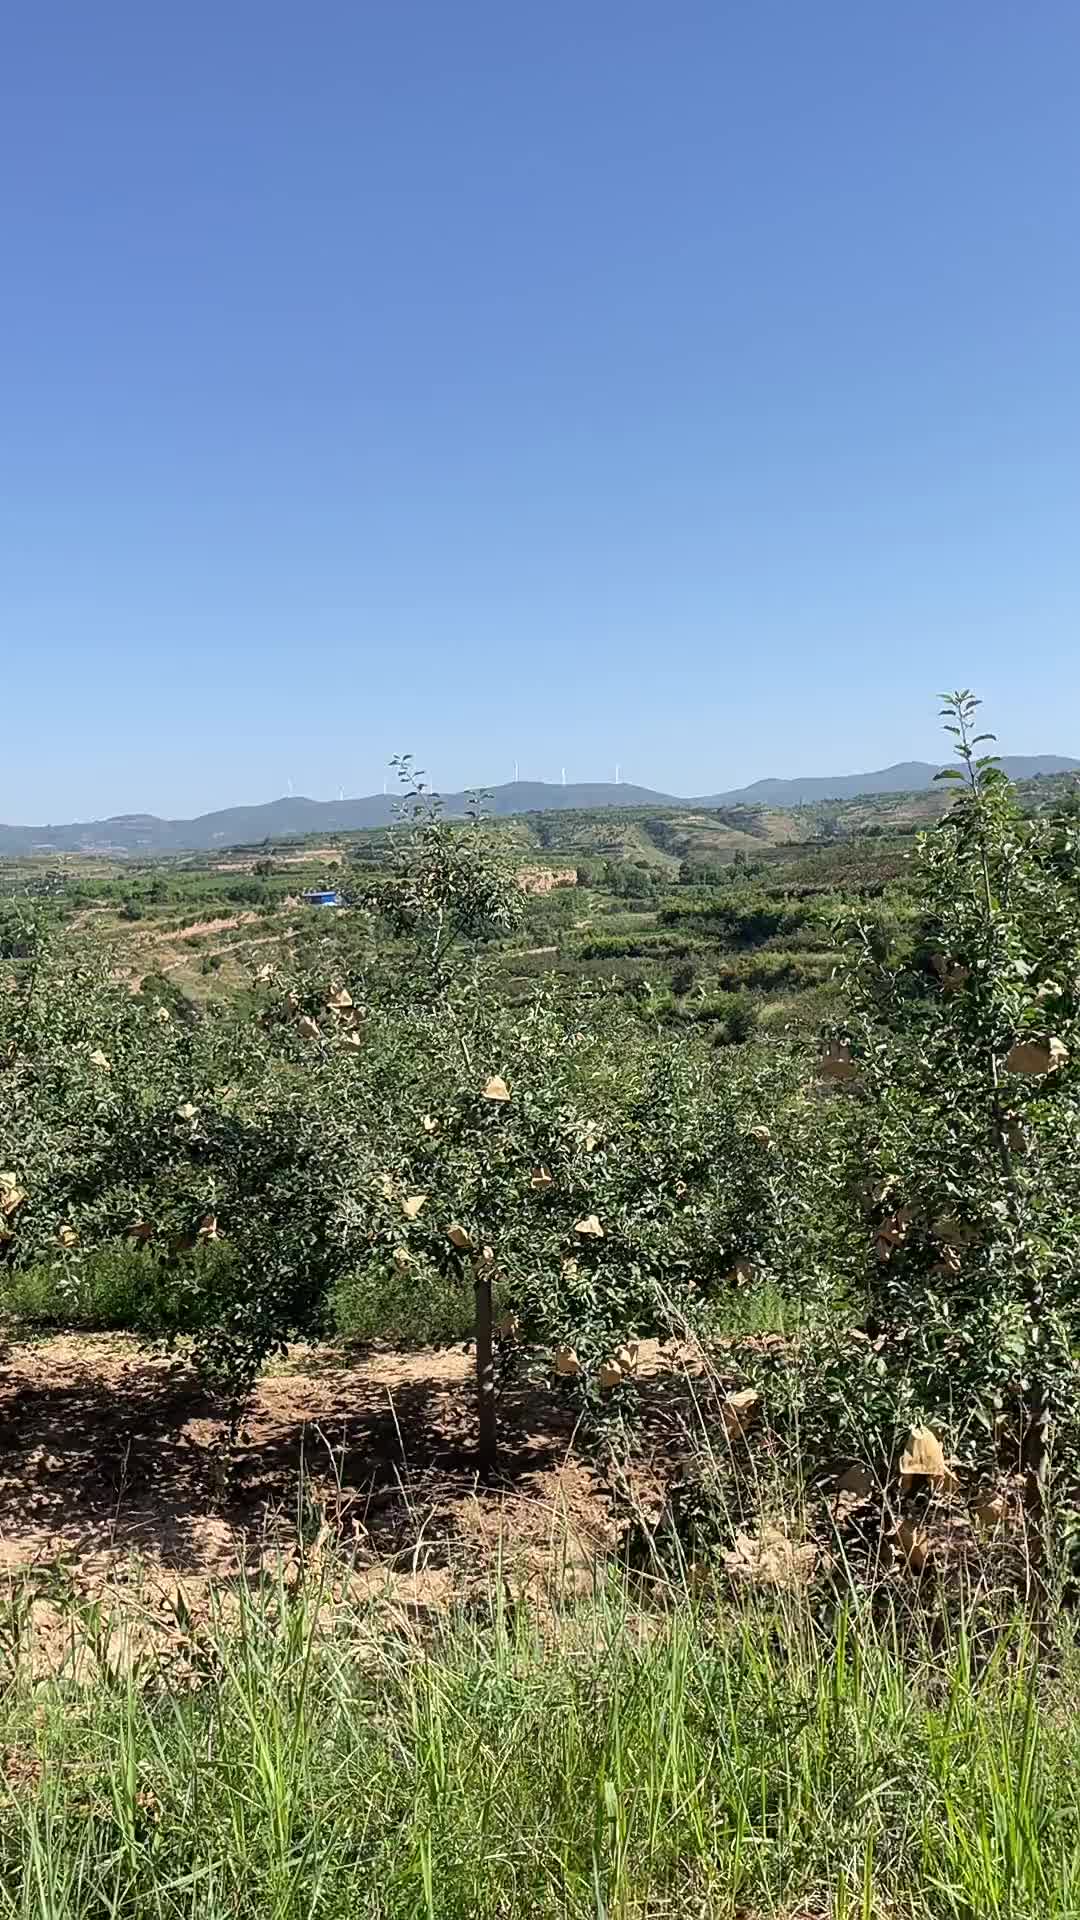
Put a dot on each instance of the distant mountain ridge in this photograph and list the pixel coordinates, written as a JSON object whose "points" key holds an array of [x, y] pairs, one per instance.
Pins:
{"points": [[907, 776], [274, 819]]}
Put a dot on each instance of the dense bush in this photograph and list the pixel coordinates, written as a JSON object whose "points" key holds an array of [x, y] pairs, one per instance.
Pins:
{"points": [[266, 1170], [604, 946], [969, 1052], [747, 920]]}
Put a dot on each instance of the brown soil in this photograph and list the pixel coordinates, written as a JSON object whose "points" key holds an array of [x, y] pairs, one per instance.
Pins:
{"points": [[114, 1457], [127, 1525]]}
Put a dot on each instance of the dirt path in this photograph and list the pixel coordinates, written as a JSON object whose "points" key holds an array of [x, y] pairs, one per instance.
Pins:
{"points": [[135, 978], [225, 925], [234, 946]]}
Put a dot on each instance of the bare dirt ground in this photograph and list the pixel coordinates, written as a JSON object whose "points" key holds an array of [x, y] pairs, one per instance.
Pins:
{"points": [[114, 1471], [127, 1527]]}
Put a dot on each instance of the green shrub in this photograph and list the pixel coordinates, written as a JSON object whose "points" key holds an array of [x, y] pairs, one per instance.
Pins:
{"points": [[966, 1055], [415, 1307], [747, 920], [115, 1288]]}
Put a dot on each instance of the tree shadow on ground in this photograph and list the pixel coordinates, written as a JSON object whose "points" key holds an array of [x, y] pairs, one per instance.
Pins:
{"points": [[134, 1458]]}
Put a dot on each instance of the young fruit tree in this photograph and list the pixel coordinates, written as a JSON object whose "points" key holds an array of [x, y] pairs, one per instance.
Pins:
{"points": [[964, 1051]]}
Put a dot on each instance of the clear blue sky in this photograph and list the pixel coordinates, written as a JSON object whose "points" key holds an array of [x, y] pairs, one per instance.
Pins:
{"points": [[694, 385]]}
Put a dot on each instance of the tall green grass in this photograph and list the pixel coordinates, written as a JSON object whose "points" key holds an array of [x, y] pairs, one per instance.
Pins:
{"points": [[684, 1762], [122, 1289], [416, 1308], [113, 1288]]}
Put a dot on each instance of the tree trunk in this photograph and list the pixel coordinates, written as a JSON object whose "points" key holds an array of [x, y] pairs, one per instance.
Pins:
{"points": [[1034, 1449], [485, 1377]]}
